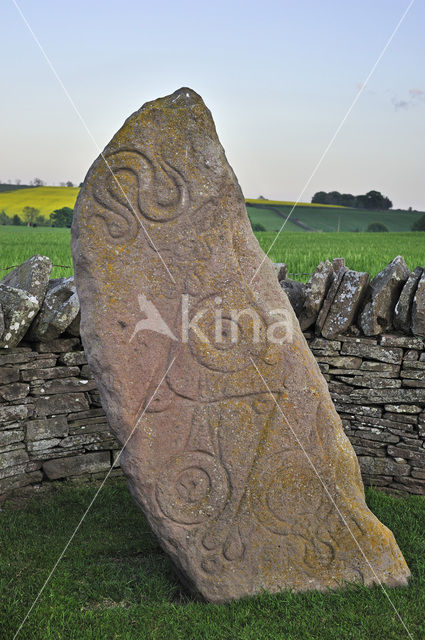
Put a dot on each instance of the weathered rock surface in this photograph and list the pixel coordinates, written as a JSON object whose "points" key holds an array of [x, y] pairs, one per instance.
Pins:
{"points": [[281, 270], [296, 293], [315, 293], [31, 276], [329, 299], [345, 304], [418, 308], [382, 296], [403, 309], [59, 309], [214, 459], [20, 308]]}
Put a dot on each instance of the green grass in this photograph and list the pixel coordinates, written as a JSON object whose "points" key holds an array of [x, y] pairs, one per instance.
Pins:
{"points": [[370, 252], [46, 199], [115, 582], [19, 243], [302, 252]]}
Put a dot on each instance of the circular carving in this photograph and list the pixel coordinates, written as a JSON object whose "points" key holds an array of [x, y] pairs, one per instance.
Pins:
{"points": [[286, 492], [193, 488]]}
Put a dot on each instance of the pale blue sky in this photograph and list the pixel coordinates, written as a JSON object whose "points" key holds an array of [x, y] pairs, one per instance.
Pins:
{"points": [[277, 75]]}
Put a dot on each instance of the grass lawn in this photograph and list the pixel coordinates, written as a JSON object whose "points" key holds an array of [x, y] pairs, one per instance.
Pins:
{"points": [[301, 251], [115, 582]]}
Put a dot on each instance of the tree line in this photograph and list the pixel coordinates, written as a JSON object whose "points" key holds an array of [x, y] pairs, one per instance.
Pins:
{"points": [[373, 200], [32, 218]]}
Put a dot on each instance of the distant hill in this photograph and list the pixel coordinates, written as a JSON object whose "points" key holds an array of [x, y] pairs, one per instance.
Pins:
{"points": [[13, 187], [314, 217], [270, 213]]}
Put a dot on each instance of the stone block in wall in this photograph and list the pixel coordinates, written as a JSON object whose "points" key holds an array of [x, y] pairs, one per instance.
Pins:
{"points": [[380, 368], [400, 417], [411, 485], [62, 385], [371, 382], [88, 425], [17, 356], [373, 352], [60, 307], [60, 403], [18, 481], [19, 309], [315, 293], [46, 428], [14, 391], [329, 299], [13, 457], [407, 342], [346, 303], [381, 297], [382, 466], [418, 308], [415, 384], [411, 356], [81, 440], [47, 361], [413, 374], [40, 446], [73, 358], [413, 456], [341, 362], [8, 375], [387, 396], [11, 413], [61, 345], [10, 436], [76, 465], [49, 373], [358, 410], [403, 310]]}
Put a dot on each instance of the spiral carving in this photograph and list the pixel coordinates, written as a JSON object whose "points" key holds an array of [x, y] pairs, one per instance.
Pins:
{"points": [[133, 188]]}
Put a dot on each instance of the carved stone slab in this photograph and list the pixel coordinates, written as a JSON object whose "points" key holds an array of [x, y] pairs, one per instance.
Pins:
{"points": [[215, 461]]}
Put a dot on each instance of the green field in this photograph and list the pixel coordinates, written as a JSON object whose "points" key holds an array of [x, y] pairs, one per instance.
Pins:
{"points": [[328, 218], [115, 582], [302, 252], [46, 199]]}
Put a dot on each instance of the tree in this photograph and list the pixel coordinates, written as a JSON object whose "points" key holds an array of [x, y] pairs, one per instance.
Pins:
{"points": [[4, 218], [41, 221], [256, 226], [62, 217], [377, 227], [30, 215], [37, 182], [419, 224], [16, 220], [69, 184]]}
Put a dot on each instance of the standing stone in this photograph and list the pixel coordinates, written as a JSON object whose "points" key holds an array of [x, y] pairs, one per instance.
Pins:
{"points": [[214, 458], [403, 308], [345, 304], [60, 308], [381, 298], [418, 308], [315, 293]]}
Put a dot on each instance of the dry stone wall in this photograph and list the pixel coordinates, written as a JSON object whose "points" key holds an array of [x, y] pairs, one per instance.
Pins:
{"points": [[367, 337]]}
